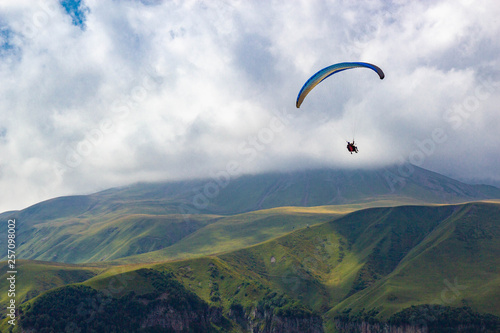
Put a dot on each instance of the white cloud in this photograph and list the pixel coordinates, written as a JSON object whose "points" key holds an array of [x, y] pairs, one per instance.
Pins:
{"points": [[164, 90]]}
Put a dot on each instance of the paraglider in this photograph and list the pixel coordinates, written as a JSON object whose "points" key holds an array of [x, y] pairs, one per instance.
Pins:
{"points": [[329, 71], [351, 147]]}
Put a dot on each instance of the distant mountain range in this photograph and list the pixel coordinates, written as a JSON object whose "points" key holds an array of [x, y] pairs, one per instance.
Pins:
{"points": [[310, 251], [222, 194], [147, 217]]}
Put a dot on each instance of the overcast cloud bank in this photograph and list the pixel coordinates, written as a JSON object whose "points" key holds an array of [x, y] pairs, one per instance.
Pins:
{"points": [[97, 94]]}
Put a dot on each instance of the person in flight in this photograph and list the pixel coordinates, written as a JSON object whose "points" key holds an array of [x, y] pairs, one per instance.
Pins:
{"points": [[351, 147]]}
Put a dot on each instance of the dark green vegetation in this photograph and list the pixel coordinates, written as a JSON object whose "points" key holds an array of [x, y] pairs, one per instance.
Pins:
{"points": [[84, 309], [153, 300], [424, 318], [438, 318], [283, 269]]}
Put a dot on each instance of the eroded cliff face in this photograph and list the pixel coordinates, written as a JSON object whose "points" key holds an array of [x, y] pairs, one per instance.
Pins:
{"points": [[171, 319], [200, 320], [365, 327], [266, 321], [279, 324]]}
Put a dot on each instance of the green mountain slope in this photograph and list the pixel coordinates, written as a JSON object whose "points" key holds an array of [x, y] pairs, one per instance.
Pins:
{"points": [[160, 237], [91, 239], [385, 259], [334, 264], [457, 263], [242, 230], [380, 260], [36, 277]]}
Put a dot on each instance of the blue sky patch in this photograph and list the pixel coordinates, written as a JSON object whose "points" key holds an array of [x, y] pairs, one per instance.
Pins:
{"points": [[5, 39], [8, 47], [77, 10]]}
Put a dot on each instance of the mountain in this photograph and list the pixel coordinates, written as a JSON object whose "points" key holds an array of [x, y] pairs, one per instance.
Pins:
{"points": [[189, 218], [376, 268], [223, 195], [387, 259], [309, 188]]}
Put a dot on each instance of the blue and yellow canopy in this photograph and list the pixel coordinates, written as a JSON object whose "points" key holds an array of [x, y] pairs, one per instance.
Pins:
{"points": [[328, 71]]}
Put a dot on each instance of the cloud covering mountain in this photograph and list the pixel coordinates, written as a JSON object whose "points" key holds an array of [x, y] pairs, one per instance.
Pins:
{"points": [[103, 93]]}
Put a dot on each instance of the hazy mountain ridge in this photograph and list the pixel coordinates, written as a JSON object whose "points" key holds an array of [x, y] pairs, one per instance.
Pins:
{"points": [[107, 225], [246, 193], [310, 188]]}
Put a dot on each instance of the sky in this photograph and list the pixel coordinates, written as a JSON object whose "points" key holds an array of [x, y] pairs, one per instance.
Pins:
{"points": [[99, 93]]}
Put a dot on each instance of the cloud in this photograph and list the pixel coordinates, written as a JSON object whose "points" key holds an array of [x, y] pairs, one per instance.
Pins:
{"points": [[105, 93]]}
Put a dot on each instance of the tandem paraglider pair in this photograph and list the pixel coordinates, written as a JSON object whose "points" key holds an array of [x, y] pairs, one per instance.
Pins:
{"points": [[351, 147], [327, 72]]}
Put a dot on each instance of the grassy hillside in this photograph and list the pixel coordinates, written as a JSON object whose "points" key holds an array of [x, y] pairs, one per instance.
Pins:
{"points": [[111, 236], [81, 239], [242, 230], [35, 277], [457, 263], [382, 260], [385, 259]]}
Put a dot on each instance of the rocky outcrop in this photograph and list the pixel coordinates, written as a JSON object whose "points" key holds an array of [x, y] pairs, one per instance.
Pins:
{"points": [[279, 324], [271, 321], [366, 327], [424, 318], [171, 319]]}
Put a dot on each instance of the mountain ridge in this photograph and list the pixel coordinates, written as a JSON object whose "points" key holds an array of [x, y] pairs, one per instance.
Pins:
{"points": [[141, 218], [304, 188]]}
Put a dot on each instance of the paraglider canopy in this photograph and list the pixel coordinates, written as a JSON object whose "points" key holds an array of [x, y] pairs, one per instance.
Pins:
{"points": [[330, 70]]}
